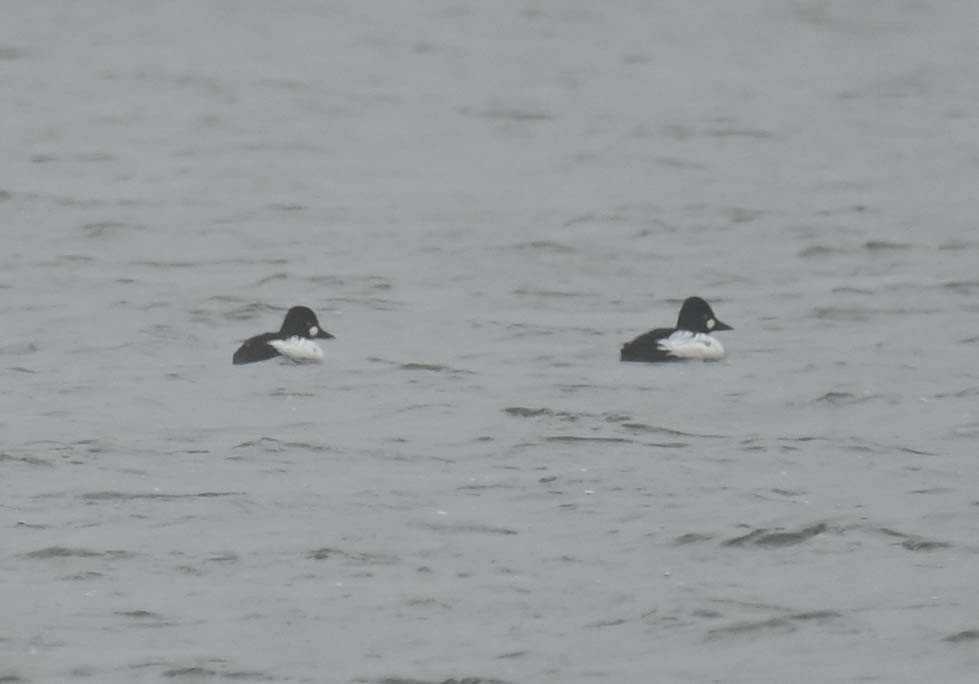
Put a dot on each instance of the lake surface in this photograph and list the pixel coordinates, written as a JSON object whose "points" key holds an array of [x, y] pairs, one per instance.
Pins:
{"points": [[482, 202]]}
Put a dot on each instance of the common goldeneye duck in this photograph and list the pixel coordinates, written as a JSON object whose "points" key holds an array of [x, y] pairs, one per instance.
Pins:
{"points": [[294, 340], [690, 339]]}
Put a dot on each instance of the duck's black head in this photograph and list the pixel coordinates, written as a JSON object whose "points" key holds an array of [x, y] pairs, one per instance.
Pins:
{"points": [[696, 316], [300, 321]]}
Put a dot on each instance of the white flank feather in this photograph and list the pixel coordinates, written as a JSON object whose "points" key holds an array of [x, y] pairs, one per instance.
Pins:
{"points": [[683, 344], [298, 349]]}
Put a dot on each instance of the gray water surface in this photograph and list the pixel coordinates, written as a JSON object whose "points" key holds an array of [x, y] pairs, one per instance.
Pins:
{"points": [[482, 202]]}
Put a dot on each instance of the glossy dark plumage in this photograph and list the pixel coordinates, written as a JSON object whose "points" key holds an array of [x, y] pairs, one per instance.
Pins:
{"points": [[300, 322], [695, 316]]}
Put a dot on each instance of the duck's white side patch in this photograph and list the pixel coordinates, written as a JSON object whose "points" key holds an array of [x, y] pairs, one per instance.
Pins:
{"points": [[298, 349], [684, 344]]}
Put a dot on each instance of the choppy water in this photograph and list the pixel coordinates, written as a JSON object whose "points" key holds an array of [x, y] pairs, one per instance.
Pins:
{"points": [[482, 203]]}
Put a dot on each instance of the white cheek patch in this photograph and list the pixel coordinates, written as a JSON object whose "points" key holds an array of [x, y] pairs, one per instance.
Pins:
{"points": [[314, 331], [711, 323]]}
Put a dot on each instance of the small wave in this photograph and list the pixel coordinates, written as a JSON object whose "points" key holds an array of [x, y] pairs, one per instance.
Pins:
{"points": [[602, 624], [272, 278], [95, 446], [286, 206], [823, 251], [365, 557], [856, 444], [111, 495], [72, 259], [841, 313], [643, 427], [777, 538], [196, 673], [957, 245], [590, 218], [482, 487], [104, 229], [272, 445], [19, 348], [506, 114], [781, 623], [965, 287], [844, 398], [525, 412], [743, 214], [367, 301], [433, 367], [84, 576], [249, 311], [960, 394], [550, 246], [332, 281], [50, 552], [914, 542], [450, 680], [931, 490], [847, 289], [469, 528], [566, 416], [139, 614], [31, 526], [548, 294], [164, 264], [577, 438], [754, 133], [29, 460], [288, 392], [692, 538], [964, 635], [885, 246]]}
